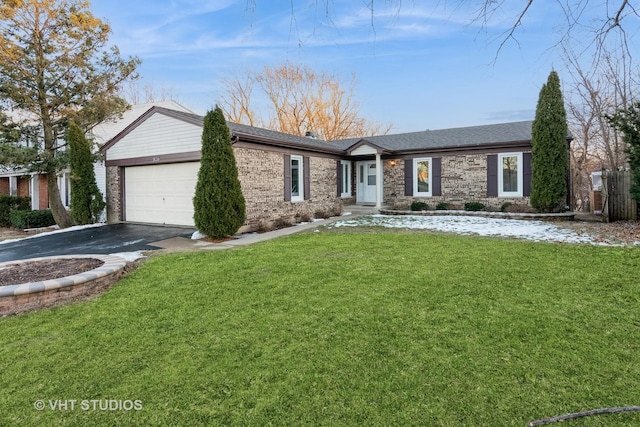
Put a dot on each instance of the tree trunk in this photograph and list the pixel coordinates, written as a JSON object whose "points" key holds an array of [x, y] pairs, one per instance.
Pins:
{"points": [[60, 214]]}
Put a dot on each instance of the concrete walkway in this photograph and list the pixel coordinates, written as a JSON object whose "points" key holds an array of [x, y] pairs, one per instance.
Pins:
{"points": [[184, 244]]}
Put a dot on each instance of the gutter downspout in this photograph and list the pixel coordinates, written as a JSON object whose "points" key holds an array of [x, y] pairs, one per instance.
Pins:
{"points": [[379, 173]]}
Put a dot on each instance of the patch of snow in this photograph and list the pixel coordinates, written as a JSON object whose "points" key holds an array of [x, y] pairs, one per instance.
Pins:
{"points": [[129, 256], [530, 230], [317, 219], [60, 230], [197, 235], [129, 243], [346, 214]]}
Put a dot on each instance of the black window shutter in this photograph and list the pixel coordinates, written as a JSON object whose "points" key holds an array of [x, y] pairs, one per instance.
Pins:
{"points": [[287, 178], [408, 177], [339, 178], [492, 175], [526, 174], [436, 165], [307, 178]]}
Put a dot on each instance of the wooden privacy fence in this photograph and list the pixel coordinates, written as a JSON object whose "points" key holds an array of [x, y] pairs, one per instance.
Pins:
{"points": [[617, 204]]}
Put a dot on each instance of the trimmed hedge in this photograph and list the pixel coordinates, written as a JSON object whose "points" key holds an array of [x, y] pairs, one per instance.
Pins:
{"points": [[419, 206], [9, 204], [32, 219], [473, 206]]}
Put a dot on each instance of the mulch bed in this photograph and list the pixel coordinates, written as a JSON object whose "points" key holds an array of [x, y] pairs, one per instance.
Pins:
{"points": [[37, 271], [620, 232]]}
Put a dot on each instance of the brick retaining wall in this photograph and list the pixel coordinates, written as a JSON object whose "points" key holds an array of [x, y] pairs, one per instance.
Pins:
{"points": [[25, 297]]}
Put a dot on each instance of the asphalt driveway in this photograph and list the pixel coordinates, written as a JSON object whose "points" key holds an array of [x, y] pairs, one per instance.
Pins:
{"points": [[107, 239]]}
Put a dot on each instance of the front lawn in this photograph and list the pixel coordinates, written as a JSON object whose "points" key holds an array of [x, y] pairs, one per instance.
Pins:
{"points": [[332, 328]]}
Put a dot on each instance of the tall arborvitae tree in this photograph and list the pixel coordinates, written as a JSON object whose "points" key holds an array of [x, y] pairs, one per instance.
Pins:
{"points": [[627, 121], [219, 206], [550, 154], [87, 203]]}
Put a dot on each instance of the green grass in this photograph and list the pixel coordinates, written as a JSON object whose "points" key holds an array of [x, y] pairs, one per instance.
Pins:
{"points": [[342, 329]]}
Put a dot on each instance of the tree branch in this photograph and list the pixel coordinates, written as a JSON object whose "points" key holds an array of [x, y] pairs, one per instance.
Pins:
{"points": [[584, 414], [509, 33]]}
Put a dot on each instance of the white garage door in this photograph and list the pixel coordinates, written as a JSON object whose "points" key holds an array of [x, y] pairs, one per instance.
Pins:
{"points": [[161, 194]]}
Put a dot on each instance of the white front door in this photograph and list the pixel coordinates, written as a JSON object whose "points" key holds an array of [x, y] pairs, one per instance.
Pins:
{"points": [[366, 182]]}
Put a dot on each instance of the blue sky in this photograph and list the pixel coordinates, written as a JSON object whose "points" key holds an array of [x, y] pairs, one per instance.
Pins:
{"points": [[418, 67]]}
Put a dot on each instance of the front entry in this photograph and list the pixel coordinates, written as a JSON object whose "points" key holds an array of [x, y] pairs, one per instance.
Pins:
{"points": [[366, 175]]}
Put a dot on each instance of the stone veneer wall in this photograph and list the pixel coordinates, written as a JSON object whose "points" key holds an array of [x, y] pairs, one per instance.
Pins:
{"points": [[261, 176], [113, 196], [463, 179]]}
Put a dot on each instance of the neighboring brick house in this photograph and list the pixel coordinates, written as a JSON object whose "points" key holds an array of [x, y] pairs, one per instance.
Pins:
{"points": [[152, 168]]}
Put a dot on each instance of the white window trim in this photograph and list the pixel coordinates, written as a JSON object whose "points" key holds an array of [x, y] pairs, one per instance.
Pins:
{"points": [[518, 193], [346, 163], [64, 185], [417, 193], [300, 196]]}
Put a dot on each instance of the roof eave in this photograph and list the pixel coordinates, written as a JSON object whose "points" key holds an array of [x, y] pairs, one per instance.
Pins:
{"points": [[473, 147], [247, 137]]}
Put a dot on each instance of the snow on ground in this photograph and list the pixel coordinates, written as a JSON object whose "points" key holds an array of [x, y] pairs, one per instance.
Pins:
{"points": [[129, 256], [523, 229], [197, 235], [55, 231]]}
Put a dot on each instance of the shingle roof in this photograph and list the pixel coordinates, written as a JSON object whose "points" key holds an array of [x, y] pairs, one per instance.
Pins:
{"points": [[279, 137], [463, 137], [471, 136]]}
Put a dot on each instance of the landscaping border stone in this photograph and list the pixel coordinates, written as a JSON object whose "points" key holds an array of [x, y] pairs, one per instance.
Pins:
{"points": [[24, 297]]}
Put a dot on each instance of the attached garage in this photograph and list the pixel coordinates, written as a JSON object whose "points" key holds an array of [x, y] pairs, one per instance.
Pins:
{"points": [[160, 194], [152, 170]]}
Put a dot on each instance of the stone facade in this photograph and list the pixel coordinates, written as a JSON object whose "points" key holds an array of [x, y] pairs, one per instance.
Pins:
{"points": [[113, 198], [261, 176], [463, 179]]}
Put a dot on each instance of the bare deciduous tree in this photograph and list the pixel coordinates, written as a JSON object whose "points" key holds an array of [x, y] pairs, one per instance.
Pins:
{"points": [[595, 90], [237, 99], [136, 93], [614, 15], [300, 100]]}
